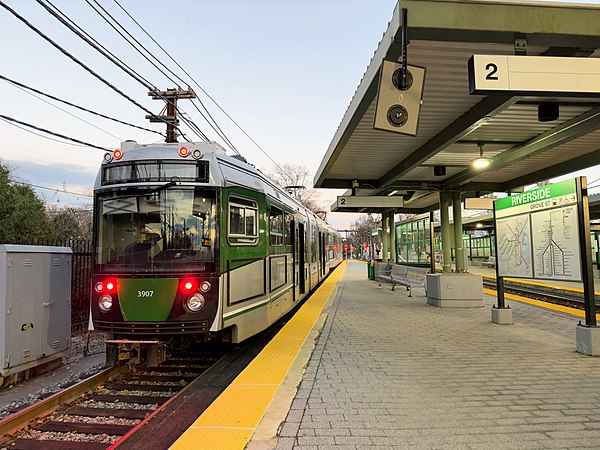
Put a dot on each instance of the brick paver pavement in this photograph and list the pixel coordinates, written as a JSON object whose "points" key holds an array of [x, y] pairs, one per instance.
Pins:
{"points": [[390, 371]]}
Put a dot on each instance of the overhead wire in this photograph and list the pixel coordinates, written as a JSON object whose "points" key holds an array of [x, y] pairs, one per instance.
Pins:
{"points": [[198, 85], [58, 190], [71, 57], [62, 136], [220, 132], [40, 135], [117, 24], [190, 123], [69, 113], [83, 35], [81, 108], [215, 127], [74, 59], [114, 24], [79, 32]]}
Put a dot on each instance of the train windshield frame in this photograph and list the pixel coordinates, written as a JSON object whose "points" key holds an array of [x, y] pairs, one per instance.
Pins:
{"points": [[156, 230]]}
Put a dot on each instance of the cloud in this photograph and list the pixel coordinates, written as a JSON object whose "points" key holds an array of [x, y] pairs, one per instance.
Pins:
{"points": [[75, 177]]}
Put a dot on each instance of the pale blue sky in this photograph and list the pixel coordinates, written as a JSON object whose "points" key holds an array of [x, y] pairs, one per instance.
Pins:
{"points": [[285, 70]]}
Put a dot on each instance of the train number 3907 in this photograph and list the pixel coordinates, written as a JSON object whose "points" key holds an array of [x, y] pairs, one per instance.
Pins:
{"points": [[145, 294]]}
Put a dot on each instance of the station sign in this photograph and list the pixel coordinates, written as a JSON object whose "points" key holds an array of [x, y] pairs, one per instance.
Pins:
{"points": [[545, 197], [540, 75], [537, 233]]}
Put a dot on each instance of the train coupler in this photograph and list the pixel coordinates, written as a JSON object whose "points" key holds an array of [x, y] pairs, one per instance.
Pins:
{"points": [[149, 353]]}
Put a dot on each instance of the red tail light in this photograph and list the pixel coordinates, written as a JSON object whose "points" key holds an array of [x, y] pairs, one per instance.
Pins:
{"points": [[188, 285], [106, 286]]}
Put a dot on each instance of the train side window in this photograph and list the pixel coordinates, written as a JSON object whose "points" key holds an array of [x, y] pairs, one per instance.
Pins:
{"points": [[288, 220], [243, 221], [275, 226]]}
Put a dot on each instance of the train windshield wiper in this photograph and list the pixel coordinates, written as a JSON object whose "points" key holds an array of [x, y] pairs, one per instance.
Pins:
{"points": [[174, 182]]}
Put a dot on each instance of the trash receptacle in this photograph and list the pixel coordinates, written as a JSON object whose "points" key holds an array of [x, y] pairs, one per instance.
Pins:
{"points": [[371, 270]]}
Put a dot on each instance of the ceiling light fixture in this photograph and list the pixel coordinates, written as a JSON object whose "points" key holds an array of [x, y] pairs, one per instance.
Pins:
{"points": [[481, 162]]}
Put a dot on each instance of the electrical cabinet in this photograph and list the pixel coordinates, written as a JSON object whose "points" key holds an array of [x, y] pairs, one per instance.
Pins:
{"points": [[35, 306]]}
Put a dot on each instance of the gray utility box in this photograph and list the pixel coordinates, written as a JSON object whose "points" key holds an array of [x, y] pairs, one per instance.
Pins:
{"points": [[35, 306]]}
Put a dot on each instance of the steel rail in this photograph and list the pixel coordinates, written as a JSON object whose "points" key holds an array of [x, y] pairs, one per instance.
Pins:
{"points": [[560, 298], [46, 406]]}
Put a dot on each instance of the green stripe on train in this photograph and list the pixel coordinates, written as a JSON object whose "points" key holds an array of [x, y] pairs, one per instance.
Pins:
{"points": [[147, 299], [257, 306]]}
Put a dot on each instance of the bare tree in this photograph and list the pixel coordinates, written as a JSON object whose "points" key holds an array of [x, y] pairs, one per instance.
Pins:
{"points": [[360, 233], [296, 180]]}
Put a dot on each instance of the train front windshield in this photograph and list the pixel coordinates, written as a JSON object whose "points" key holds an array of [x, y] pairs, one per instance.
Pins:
{"points": [[160, 230]]}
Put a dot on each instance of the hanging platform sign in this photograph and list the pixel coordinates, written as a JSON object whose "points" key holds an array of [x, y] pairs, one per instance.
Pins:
{"points": [[537, 233], [479, 203], [363, 201], [540, 75]]}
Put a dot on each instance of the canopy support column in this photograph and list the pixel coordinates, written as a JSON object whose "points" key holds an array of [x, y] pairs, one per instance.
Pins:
{"points": [[459, 252], [445, 224], [392, 238]]}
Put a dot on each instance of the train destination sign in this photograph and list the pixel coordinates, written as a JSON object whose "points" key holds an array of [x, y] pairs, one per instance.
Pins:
{"points": [[542, 75], [538, 234]]}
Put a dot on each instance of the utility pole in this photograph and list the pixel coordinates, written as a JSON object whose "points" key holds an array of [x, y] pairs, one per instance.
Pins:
{"points": [[168, 114]]}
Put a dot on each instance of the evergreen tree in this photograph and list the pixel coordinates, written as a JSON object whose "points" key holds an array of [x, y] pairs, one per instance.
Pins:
{"points": [[22, 214]]}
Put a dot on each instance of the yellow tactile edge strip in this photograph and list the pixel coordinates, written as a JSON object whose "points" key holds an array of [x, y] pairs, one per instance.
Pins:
{"points": [[552, 306], [229, 422], [534, 283]]}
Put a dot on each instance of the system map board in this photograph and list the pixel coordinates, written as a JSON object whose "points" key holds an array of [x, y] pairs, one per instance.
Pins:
{"points": [[538, 233], [514, 246]]}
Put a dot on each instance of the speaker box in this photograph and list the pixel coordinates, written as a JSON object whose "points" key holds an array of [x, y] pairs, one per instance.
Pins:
{"points": [[548, 111]]}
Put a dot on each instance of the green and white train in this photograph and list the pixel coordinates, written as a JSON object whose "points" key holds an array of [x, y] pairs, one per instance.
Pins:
{"points": [[192, 244]]}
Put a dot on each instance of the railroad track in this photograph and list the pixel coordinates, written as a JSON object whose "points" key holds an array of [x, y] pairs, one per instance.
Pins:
{"points": [[559, 297], [103, 410]]}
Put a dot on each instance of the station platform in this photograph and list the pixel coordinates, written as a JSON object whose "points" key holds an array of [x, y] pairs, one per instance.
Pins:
{"points": [[374, 368]]}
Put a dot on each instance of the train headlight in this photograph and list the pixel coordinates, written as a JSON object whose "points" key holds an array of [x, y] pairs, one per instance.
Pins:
{"points": [[205, 286], [105, 303], [195, 302]]}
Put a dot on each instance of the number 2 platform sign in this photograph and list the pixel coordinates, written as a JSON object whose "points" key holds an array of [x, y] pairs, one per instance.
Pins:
{"points": [[539, 75]]}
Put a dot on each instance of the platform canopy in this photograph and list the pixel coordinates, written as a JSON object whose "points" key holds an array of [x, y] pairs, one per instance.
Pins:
{"points": [[454, 126]]}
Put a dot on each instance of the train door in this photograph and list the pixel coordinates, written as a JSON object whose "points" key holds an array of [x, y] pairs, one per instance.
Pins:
{"points": [[301, 254], [322, 253]]}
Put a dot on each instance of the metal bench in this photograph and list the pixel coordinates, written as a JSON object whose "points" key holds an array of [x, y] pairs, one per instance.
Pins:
{"points": [[397, 274], [383, 271], [490, 262]]}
